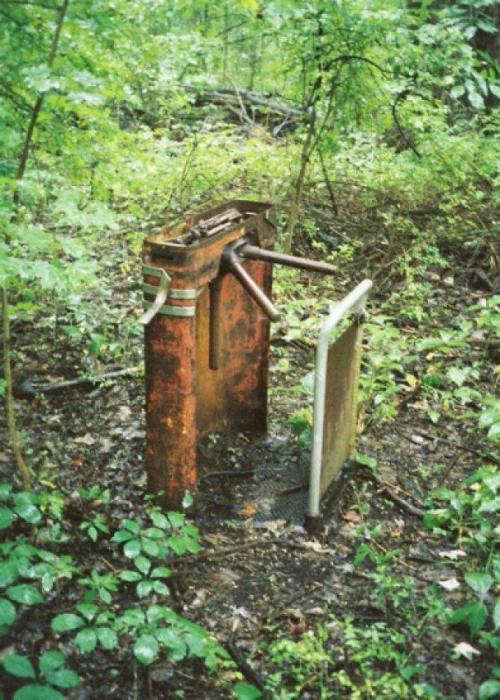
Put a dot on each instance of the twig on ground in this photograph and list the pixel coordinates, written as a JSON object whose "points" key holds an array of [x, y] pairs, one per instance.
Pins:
{"points": [[228, 551], [28, 389], [408, 507], [451, 443], [250, 673]]}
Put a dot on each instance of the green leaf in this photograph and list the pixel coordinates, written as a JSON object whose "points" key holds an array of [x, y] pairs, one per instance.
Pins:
{"points": [[37, 692], [105, 596], [153, 533], [458, 375], [51, 661], [146, 649], [132, 548], [6, 518], [19, 666], [366, 461], [131, 525], [160, 588], [8, 574], [161, 572], [5, 491], [188, 500], [159, 520], [143, 564], [151, 547], [489, 689], [170, 638], [245, 691], [496, 616], [65, 678], [122, 536], [25, 594], [7, 612], [176, 519], [475, 614], [144, 588], [480, 582], [88, 610], [29, 513], [86, 639], [133, 617], [66, 622], [130, 576], [107, 637]]}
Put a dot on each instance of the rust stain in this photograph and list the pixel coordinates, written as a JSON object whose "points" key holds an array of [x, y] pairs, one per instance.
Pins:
{"points": [[185, 397]]}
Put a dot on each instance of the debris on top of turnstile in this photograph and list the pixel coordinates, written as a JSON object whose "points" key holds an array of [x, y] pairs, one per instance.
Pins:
{"points": [[209, 227]]}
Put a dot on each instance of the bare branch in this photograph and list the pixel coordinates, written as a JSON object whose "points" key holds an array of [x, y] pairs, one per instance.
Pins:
{"points": [[39, 102]]}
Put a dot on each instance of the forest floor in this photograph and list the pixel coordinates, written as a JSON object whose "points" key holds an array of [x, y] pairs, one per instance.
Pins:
{"points": [[373, 582]]}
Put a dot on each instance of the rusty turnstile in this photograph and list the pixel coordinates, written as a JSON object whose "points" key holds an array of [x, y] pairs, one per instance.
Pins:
{"points": [[207, 285]]}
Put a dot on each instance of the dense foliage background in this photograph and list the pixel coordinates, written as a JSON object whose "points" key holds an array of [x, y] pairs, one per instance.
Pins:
{"points": [[373, 127]]}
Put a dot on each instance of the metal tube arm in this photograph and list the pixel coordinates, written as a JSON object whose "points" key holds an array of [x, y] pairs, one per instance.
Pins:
{"points": [[234, 265], [252, 252]]}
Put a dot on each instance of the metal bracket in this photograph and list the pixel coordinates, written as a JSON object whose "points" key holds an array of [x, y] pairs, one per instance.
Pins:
{"points": [[160, 299]]}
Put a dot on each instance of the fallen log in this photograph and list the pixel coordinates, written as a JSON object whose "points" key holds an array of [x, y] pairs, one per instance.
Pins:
{"points": [[258, 106]]}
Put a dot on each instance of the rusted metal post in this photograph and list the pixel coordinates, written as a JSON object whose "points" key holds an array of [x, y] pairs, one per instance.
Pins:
{"points": [[206, 344]]}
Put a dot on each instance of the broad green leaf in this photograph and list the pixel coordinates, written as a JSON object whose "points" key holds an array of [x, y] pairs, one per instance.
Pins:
{"points": [[245, 691], [132, 548], [105, 596], [161, 572], [7, 612], [8, 573], [160, 520], [51, 661], [133, 617], [151, 547], [496, 616], [29, 513], [458, 375], [146, 649], [480, 582], [160, 588], [188, 500], [475, 614], [64, 678], [131, 525], [66, 622], [122, 536], [366, 460], [6, 518], [143, 564], [86, 640], [19, 666], [153, 533], [107, 637], [88, 610], [489, 689], [144, 588], [25, 594], [37, 692], [130, 576], [173, 641], [5, 491], [176, 519]]}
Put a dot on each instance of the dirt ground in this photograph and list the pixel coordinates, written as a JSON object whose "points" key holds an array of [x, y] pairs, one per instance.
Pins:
{"points": [[256, 580]]}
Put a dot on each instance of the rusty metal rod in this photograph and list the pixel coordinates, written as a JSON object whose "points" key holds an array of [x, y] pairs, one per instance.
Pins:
{"points": [[252, 252], [214, 323], [234, 265]]}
